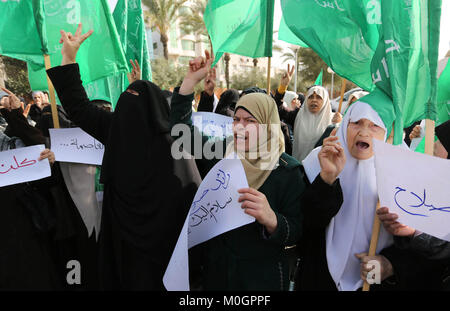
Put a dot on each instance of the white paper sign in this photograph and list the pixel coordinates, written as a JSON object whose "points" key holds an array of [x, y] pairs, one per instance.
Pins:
{"points": [[416, 187], [76, 146], [215, 210], [213, 124], [22, 165]]}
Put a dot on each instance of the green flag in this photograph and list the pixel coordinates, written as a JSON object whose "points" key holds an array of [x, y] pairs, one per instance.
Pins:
{"points": [[129, 21], [22, 32], [99, 56], [243, 27], [319, 78], [443, 96], [389, 44], [405, 62], [286, 35], [344, 33]]}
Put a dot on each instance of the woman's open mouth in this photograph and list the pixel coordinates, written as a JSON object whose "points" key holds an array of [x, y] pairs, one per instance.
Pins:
{"points": [[362, 145]]}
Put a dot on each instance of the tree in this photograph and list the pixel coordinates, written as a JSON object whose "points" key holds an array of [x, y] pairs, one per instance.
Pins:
{"points": [[191, 21], [162, 14], [254, 77], [166, 75], [227, 59]]}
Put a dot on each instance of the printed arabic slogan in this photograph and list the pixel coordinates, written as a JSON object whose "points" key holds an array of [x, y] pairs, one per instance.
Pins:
{"points": [[419, 196], [22, 165], [215, 210], [76, 146]]}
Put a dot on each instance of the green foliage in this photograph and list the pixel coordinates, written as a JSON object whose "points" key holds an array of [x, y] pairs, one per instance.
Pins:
{"points": [[254, 77], [16, 76], [310, 64], [166, 75]]}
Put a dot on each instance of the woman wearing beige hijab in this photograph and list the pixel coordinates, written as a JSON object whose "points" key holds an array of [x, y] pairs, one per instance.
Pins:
{"points": [[251, 257], [311, 122]]}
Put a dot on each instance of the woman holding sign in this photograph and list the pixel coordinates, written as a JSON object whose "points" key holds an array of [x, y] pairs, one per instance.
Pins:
{"points": [[339, 209], [146, 192], [251, 257], [26, 261]]}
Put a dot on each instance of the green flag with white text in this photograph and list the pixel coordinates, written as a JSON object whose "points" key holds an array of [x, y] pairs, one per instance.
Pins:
{"points": [[243, 27], [344, 33], [130, 24], [390, 45], [100, 56]]}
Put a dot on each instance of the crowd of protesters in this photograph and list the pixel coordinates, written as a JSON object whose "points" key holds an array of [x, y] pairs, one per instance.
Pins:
{"points": [[314, 201]]}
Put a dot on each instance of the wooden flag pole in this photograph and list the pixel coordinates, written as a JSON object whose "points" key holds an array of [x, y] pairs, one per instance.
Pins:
{"points": [[376, 224], [269, 59], [342, 94], [429, 136], [51, 90]]}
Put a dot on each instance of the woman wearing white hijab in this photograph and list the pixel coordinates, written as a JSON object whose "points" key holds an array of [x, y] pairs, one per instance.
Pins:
{"points": [[347, 224], [311, 122]]}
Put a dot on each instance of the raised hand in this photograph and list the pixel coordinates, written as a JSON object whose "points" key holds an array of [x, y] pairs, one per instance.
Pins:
{"points": [[390, 223], [26, 110], [337, 118], [71, 44], [210, 82], [13, 101], [198, 69], [287, 76], [415, 132], [332, 159], [136, 73]]}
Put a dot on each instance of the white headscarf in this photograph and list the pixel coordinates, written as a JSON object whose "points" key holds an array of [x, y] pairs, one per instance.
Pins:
{"points": [[288, 97], [309, 127], [349, 232], [358, 95]]}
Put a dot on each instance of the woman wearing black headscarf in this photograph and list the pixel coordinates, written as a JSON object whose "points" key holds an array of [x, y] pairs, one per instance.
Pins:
{"points": [[227, 102], [147, 194]]}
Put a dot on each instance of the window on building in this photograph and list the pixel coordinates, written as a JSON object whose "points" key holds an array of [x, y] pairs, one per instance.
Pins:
{"points": [[173, 41], [187, 45], [155, 45]]}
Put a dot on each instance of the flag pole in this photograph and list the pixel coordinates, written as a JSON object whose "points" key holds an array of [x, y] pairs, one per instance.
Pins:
{"points": [[429, 136], [376, 225], [344, 82], [51, 90], [269, 59]]}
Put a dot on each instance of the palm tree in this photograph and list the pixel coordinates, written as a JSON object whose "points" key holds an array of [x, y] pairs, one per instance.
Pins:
{"points": [[191, 20], [227, 69], [162, 14]]}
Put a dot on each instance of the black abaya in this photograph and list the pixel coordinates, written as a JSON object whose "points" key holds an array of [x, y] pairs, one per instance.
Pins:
{"points": [[145, 199]]}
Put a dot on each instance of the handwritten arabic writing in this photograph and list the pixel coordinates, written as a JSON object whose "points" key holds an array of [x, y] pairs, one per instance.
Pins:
{"points": [[403, 202], [207, 212], [203, 209], [74, 142], [24, 163]]}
